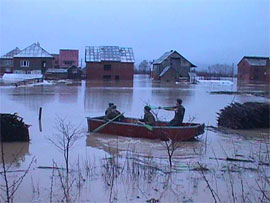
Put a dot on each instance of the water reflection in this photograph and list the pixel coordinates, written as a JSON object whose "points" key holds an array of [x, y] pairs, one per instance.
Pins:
{"points": [[117, 145], [14, 152], [33, 97], [69, 94], [99, 94]]}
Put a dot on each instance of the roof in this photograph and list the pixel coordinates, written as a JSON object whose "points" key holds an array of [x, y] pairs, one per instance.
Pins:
{"points": [[164, 71], [10, 54], [109, 53], [163, 57], [56, 70], [34, 50], [166, 55], [256, 60]]}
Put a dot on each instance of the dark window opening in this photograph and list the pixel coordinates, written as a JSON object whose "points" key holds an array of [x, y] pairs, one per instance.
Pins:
{"points": [[107, 67], [106, 77], [68, 62], [117, 77]]}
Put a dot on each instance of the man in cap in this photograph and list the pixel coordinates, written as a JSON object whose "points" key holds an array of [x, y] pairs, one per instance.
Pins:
{"points": [[148, 116], [113, 112], [108, 110]]}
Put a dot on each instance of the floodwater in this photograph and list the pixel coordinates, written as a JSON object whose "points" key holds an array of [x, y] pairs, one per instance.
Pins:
{"points": [[119, 169]]}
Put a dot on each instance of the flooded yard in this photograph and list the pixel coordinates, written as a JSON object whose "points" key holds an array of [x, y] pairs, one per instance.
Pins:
{"points": [[219, 166]]}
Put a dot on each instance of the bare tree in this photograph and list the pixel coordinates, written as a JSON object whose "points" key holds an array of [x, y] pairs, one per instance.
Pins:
{"points": [[10, 188], [65, 138], [171, 147]]}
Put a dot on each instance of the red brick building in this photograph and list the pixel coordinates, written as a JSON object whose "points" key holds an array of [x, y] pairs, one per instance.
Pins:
{"points": [[32, 60], [109, 63], [253, 70], [66, 58], [7, 61]]}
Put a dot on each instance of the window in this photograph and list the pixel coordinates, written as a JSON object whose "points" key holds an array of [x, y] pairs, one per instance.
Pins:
{"points": [[106, 77], [107, 67], [24, 63], [8, 62], [68, 62], [117, 77], [19, 71], [43, 64]]}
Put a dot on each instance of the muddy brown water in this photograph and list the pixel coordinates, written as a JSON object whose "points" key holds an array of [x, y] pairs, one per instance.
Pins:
{"points": [[119, 169]]}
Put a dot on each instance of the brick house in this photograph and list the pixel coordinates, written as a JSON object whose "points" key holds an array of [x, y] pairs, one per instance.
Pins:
{"points": [[171, 66], [33, 60], [66, 58], [253, 70], [109, 63], [55, 60], [6, 61]]}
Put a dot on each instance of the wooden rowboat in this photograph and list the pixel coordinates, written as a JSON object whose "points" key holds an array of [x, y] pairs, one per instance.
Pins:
{"points": [[130, 128]]}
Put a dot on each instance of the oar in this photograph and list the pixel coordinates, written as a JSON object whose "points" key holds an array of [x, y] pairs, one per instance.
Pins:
{"points": [[108, 122], [149, 127], [163, 107]]}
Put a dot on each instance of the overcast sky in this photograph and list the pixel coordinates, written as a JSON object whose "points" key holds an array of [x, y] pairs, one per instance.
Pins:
{"points": [[203, 31]]}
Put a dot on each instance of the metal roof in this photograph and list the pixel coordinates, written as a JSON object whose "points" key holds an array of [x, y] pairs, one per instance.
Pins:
{"points": [[56, 70], [109, 53], [164, 71], [166, 55], [256, 61], [34, 50], [10, 54], [163, 57]]}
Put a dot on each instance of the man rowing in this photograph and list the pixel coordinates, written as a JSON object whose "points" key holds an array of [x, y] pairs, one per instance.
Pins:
{"points": [[108, 110], [179, 112], [112, 113], [148, 118]]}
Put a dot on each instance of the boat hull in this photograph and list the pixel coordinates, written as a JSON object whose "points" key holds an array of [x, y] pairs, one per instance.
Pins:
{"points": [[162, 131]]}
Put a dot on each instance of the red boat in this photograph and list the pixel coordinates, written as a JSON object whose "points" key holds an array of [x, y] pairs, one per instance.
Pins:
{"points": [[131, 128]]}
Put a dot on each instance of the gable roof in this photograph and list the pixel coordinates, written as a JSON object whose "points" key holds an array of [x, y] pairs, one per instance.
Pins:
{"points": [[10, 54], [109, 53], [167, 54], [256, 60], [34, 50]]}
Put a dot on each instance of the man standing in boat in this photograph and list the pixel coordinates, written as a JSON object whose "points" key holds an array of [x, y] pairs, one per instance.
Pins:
{"points": [[148, 118], [179, 113]]}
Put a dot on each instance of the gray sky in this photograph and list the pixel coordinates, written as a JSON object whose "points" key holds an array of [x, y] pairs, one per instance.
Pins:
{"points": [[203, 31]]}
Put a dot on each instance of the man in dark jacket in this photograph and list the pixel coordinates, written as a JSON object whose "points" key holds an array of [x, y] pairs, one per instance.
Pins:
{"points": [[108, 110], [179, 113], [148, 116], [112, 113]]}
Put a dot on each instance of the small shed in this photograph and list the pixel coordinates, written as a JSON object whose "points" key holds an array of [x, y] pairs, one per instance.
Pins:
{"points": [[171, 66], [56, 74], [253, 70], [74, 72]]}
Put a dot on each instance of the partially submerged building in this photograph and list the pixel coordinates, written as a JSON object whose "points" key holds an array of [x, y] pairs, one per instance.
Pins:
{"points": [[109, 63], [33, 60], [7, 61], [253, 70], [63, 73], [171, 66]]}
